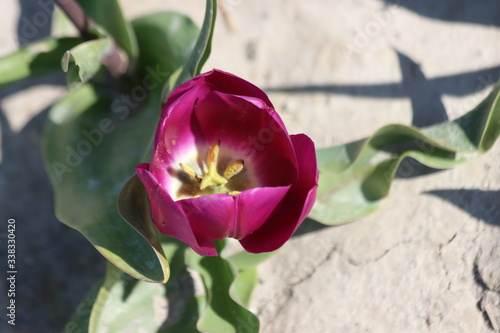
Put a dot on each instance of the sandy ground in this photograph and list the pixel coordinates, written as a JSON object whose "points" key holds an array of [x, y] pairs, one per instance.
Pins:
{"points": [[428, 261]]}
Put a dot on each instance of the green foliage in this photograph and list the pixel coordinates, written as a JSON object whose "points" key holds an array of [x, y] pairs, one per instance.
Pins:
{"points": [[89, 153], [95, 137], [125, 304], [36, 59], [162, 40], [108, 15], [88, 58], [355, 177], [201, 51], [227, 292]]}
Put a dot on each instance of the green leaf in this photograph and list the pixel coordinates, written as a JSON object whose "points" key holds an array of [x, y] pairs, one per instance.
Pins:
{"points": [[201, 50], [222, 312], [243, 286], [185, 308], [245, 260], [121, 304], [36, 59], [89, 153], [139, 217], [108, 15], [246, 280], [166, 40], [356, 176], [80, 320], [88, 58], [126, 305]]}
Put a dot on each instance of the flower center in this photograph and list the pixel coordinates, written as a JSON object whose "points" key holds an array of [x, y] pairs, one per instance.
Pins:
{"points": [[210, 181]]}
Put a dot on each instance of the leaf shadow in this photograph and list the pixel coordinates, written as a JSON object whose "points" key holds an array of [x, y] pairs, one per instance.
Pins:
{"points": [[56, 264], [183, 313], [424, 93], [35, 21], [481, 204], [310, 226], [428, 109], [473, 12]]}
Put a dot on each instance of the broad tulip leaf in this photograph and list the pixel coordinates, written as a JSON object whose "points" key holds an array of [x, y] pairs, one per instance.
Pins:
{"points": [[36, 59], [166, 40], [201, 50], [88, 59], [222, 312], [246, 280], [108, 15], [89, 153], [356, 176], [125, 304], [122, 304], [243, 286]]}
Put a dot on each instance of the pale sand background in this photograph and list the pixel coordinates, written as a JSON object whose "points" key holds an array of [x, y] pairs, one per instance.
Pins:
{"points": [[428, 261]]}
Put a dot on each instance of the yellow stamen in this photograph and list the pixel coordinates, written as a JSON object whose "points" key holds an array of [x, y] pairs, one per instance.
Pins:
{"points": [[233, 169], [213, 153], [189, 171], [212, 178]]}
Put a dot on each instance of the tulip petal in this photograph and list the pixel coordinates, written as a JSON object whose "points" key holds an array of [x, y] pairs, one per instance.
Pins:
{"points": [[253, 208], [178, 135], [296, 204], [168, 217], [225, 83], [251, 133], [210, 215]]}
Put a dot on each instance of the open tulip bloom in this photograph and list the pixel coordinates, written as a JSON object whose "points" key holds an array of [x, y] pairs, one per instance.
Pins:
{"points": [[224, 165]]}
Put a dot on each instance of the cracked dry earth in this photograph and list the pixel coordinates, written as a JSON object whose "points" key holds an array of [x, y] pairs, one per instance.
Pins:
{"points": [[433, 268], [427, 261]]}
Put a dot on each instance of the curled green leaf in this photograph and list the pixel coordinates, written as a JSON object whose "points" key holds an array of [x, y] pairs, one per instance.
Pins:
{"points": [[201, 50], [354, 177], [88, 58], [228, 292], [133, 206]]}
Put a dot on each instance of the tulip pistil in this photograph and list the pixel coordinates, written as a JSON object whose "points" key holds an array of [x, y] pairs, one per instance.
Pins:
{"points": [[211, 178]]}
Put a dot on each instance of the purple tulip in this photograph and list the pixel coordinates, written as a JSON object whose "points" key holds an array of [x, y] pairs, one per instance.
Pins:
{"points": [[224, 165]]}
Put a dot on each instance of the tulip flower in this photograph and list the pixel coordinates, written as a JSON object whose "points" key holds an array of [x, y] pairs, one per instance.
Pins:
{"points": [[224, 165]]}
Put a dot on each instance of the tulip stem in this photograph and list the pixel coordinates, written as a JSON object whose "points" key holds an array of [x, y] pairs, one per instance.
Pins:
{"points": [[116, 61], [76, 14]]}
